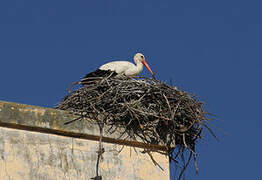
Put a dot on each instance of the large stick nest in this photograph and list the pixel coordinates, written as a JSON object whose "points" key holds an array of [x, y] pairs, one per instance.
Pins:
{"points": [[145, 108]]}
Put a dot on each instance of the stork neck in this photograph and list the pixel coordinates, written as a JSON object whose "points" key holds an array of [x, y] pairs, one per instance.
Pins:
{"points": [[139, 66]]}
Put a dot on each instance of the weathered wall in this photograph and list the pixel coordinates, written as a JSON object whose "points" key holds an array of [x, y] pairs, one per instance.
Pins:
{"points": [[31, 149]]}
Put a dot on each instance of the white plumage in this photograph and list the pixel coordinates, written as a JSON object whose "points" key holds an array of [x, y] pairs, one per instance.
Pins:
{"points": [[127, 68]]}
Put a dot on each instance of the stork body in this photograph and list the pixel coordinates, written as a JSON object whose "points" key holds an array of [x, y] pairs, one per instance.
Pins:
{"points": [[115, 68], [123, 67]]}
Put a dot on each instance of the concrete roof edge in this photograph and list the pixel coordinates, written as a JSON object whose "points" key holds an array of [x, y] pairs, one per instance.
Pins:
{"points": [[48, 120]]}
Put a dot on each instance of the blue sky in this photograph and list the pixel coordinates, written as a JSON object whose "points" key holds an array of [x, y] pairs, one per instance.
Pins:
{"points": [[212, 48]]}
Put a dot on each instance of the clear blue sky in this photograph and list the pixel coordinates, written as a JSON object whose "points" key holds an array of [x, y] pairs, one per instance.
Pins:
{"points": [[212, 48]]}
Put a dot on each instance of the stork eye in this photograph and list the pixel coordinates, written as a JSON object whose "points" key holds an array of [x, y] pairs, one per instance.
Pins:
{"points": [[142, 57]]}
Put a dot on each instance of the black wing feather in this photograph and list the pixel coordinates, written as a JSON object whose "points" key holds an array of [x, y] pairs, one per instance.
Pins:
{"points": [[98, 73]]}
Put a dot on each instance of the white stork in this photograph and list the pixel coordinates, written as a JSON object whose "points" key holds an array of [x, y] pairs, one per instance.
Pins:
{"points": [[115, 68]]}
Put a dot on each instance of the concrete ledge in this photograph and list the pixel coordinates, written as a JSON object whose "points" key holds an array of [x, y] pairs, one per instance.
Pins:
{"points": [[47, 120], [35, 144]]}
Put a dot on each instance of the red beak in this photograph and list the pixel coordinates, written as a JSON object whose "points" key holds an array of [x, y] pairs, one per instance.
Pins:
{"points": [[146, 65]]}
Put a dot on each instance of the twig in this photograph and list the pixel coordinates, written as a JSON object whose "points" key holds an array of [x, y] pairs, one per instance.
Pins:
{"points": [[101, 150], [73, 84], [154, 161], [184, 168], [76, 119]]}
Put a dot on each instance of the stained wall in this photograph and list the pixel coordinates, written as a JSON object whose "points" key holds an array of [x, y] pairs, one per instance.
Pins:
{"points": [[35, 144]]}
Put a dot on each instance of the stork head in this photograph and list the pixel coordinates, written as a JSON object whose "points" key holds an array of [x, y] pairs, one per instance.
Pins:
{"points": [[140, 58]]}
